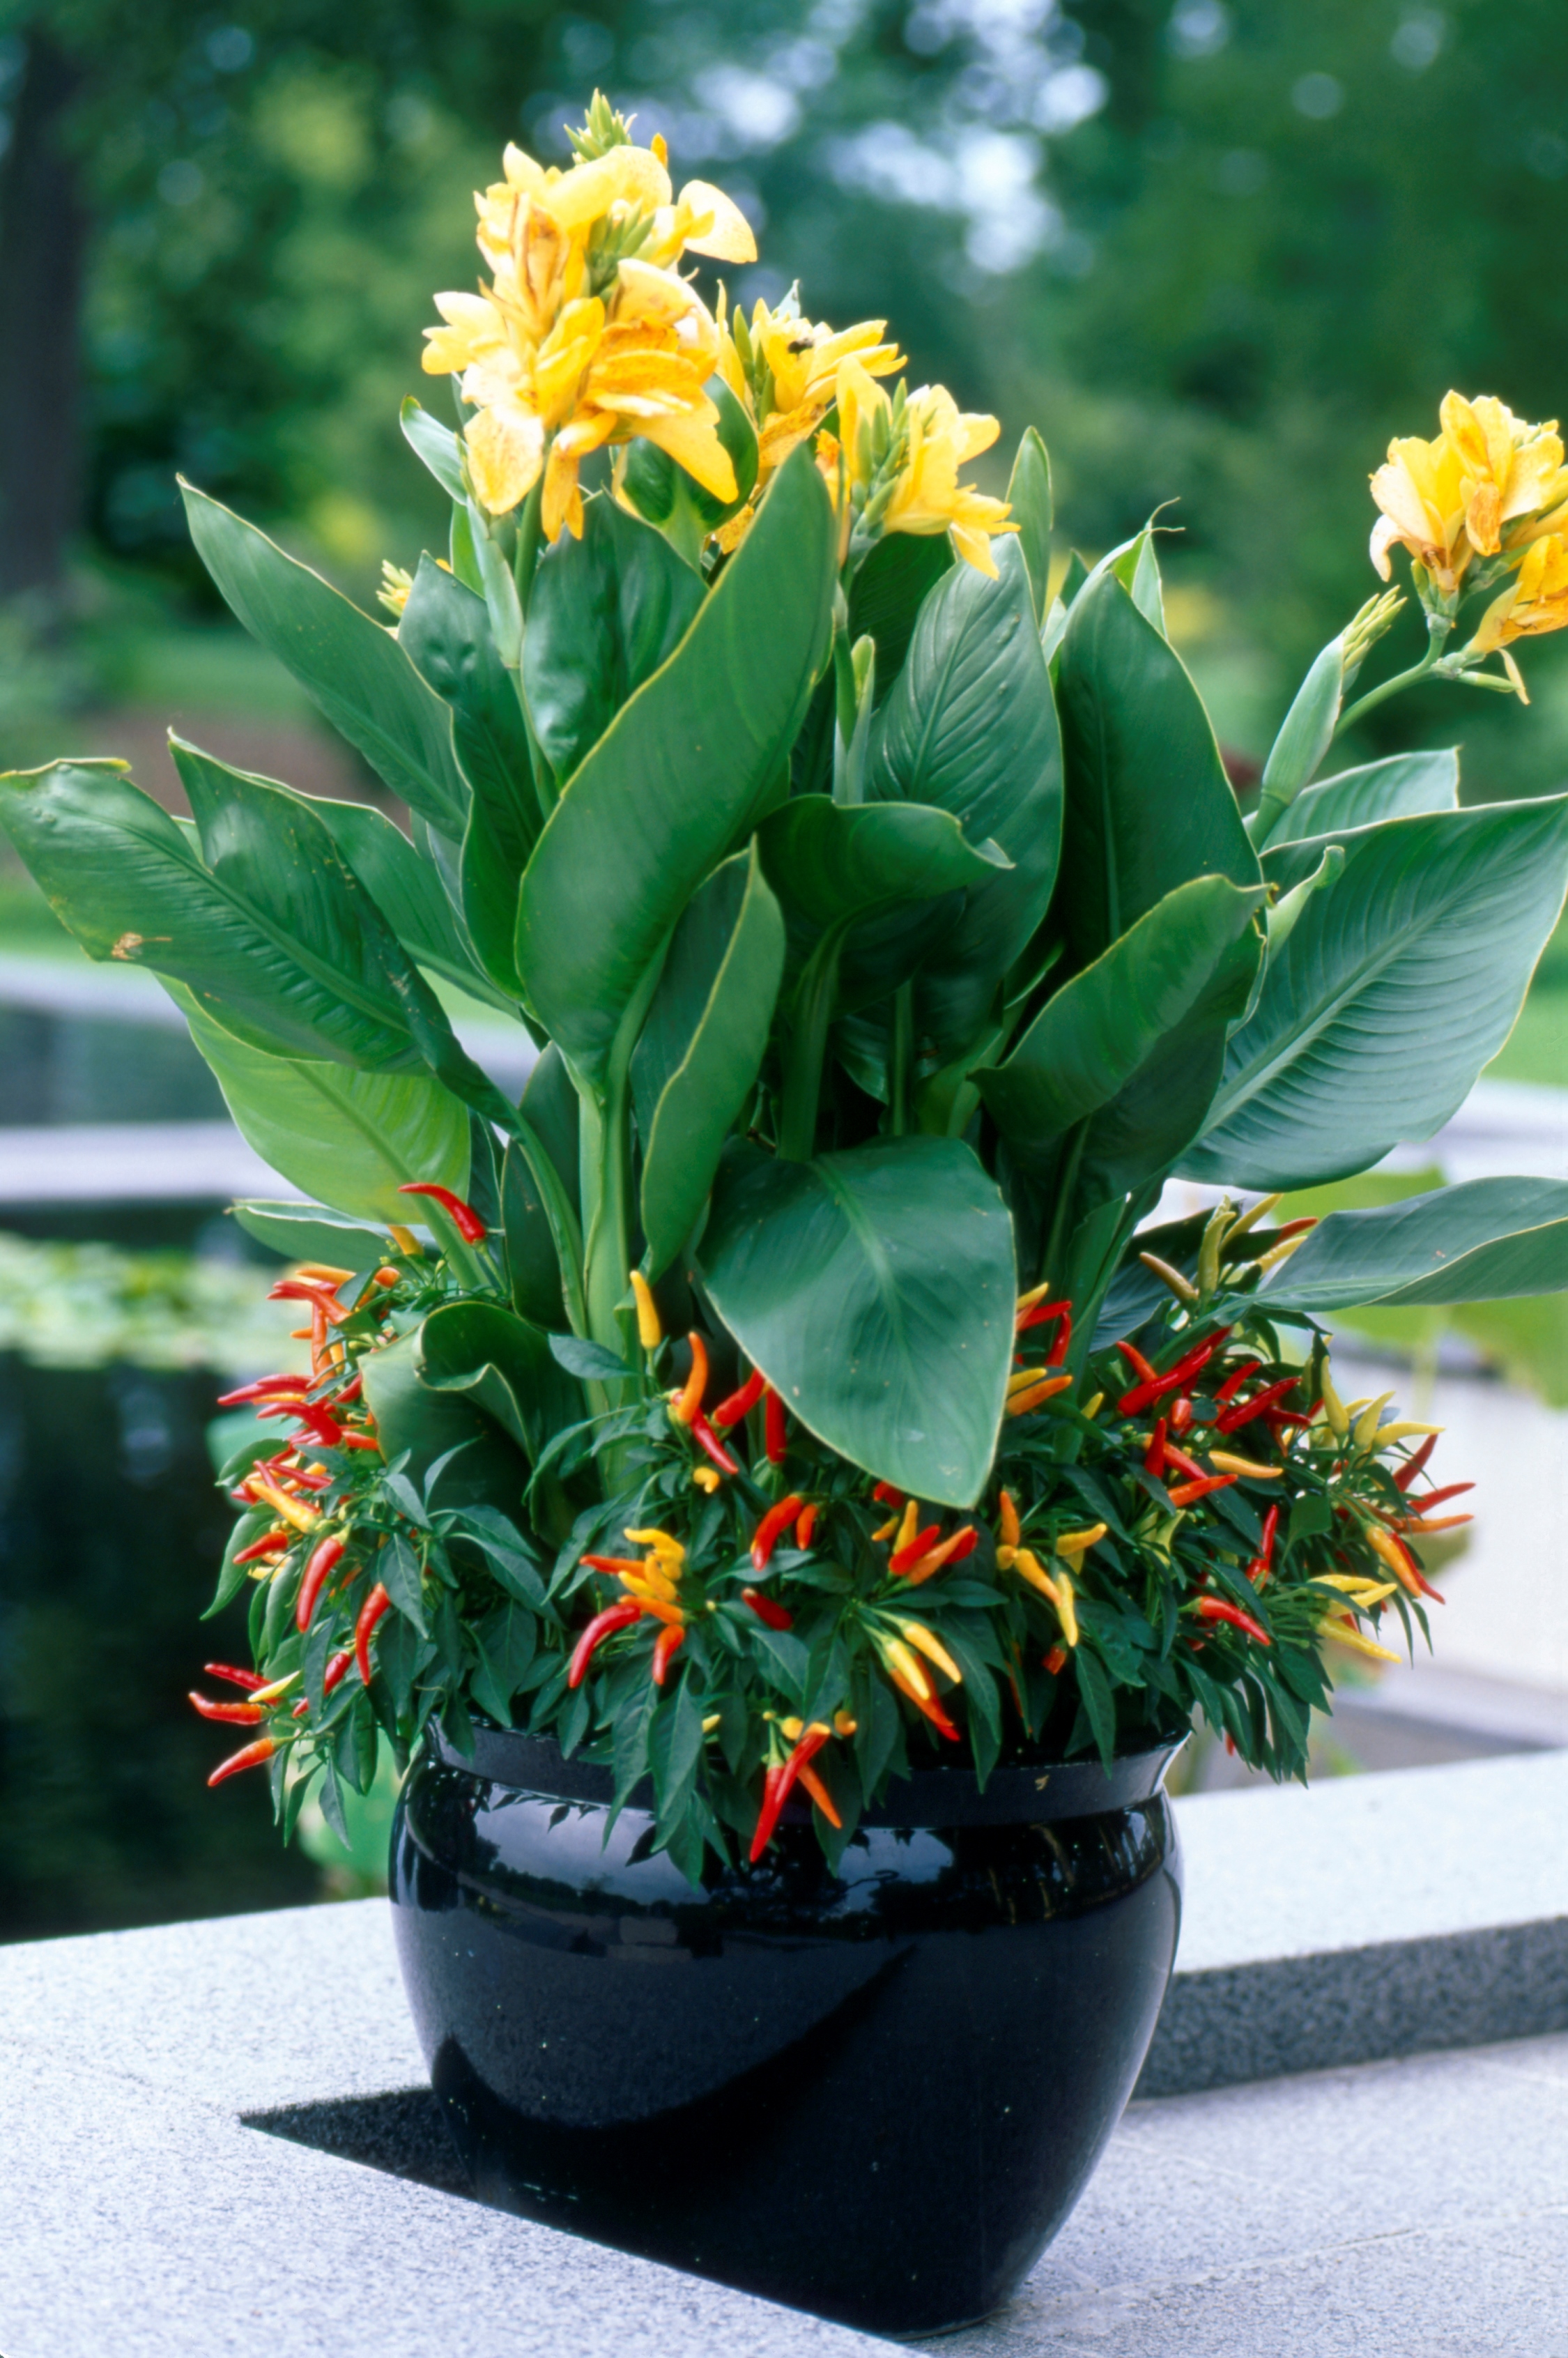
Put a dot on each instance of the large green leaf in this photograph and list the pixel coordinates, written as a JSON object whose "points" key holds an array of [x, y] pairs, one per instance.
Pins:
{"points": [[702, 1045], [445, 631], [540, 1206], [427, 1423], [1393, 991], [1029, 496], [606, 611], [1148, 803], [1099, 1032], [349, 667], [875, 1290], [313, 1232], [1483, 1241], [1397, 788], [348, 1139], [970, 727], [504, 1365], [656, 804], [408, 891]]}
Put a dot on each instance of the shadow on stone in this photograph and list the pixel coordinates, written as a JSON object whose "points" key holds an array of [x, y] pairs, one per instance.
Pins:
{"points": [[402, 2131]]}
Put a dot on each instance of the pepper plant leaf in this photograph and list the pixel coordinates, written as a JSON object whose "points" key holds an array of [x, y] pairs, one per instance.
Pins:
{"points": [[874, 1288], [351, 668], [970, 727], [1397, 788], [445, 631], [702, 1046], [606, 612], [1484, 1240], [348, 1139], [1148, 803], [675, 776], [1393, 991]]}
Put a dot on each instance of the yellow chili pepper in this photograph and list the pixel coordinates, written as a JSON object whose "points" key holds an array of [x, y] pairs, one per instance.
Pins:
{"points": [[1334, 1407], [1036, 1293], [1366, 1425], [1401, 1431], [1250, 1217], [650, 1331], [1021, 1402], [1093, 1408], [664, 1542], [908, 1526], [1277, 1253], [271, 1694], [1342, 1628], [897, 1656], [1219, 1222], [303, 1518], [924, 1642], [844, 1725], [1185, 1292], [405, 1240], [1244, 1465], [1070, 1544]]}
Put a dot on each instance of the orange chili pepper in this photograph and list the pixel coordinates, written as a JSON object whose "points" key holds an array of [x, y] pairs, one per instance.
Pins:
{"points": [[687, 1402]]}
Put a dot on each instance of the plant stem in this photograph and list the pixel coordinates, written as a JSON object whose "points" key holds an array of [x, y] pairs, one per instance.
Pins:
{"points": [[1438, 629], [900, 1064]]}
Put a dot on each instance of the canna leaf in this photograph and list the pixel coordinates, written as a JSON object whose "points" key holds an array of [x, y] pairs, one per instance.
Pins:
{"points": [[702, 1046], [348, 1139], [504, 1365], [408, 891], [349, 667], [887, 593], [1305, 735], [677, 775], [874, 1288], [1133, 1045], [1148, 803], [436, 444], [445, 631], [484, 1465], [1391, 993], [1028, 497], [1485, 1240], [313, 1232], [1397, 788], [606, 611], [970, 727]]}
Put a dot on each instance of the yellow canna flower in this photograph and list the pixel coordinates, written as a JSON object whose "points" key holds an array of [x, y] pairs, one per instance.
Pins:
{"points": [[1453, 499], [1535, 602], [1421, 493], [1510, 469], [899, 459], [587, 334]]}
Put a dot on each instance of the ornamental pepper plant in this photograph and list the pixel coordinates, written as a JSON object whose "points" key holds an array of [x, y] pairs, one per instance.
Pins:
{"points": [[795, 1386]]}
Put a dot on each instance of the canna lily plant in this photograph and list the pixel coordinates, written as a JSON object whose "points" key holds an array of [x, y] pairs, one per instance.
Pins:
{"points": [[790, 1390]]}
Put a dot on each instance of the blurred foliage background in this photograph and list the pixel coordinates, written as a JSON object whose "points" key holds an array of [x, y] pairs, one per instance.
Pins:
{"points": [[1219, 252]]}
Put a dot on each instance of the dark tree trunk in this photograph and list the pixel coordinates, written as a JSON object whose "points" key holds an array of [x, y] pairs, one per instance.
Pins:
{"points": [[42, 246]]}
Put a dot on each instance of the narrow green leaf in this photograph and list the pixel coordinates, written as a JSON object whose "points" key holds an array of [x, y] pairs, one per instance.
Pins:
{"points": [[875, 1290], [1305, 735], [705, 1036], [1148, 803], [1394, 991], [1029, 495], [349, 668], [435, 444], [675, 776], [408, 891]]}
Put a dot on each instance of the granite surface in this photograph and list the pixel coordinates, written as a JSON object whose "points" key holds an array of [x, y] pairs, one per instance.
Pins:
{"points": [[1402, 2209]]}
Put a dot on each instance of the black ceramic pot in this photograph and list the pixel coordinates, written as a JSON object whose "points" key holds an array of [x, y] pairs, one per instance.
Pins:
{"points": [[875, 2093]]}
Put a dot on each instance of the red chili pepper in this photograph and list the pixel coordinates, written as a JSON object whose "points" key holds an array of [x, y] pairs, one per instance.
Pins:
{"points": [[1417, 1463], [464, 1218], [336, 1671], [377, 1603], [770, 1615], [807, 1524], [322, 1561], [604, 1625], [242, 1714], [1430, 1499], [775, 1439], [1259, 1569], [350, 1392], [740, 1404], [1181, 1414], [249, 1680], [886, 1496], [323, 1424], [933, 1711], [1155, 1387], [1220, 1608], [670, 1638], [1054, 1660], [811, 1783], [702, 1433], [613, 1562], [777, 1784], [1235, 1381], [1186, 1494], [306, 1288], [358, 1440], [1040, 1314], [1243, 1412], [265, 1388], [1138, 1363], [1155, 1455], [903, 1557], [251, 1757], [769, 1532], [274, 1543], [1184, 1463]]}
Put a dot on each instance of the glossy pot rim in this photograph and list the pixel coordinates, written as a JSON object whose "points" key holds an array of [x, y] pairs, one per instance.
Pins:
{"points": [[1041, 1793]]}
